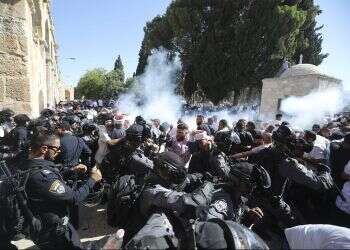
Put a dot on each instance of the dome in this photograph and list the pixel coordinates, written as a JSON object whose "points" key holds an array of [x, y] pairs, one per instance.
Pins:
{"points": [[302, 70]]}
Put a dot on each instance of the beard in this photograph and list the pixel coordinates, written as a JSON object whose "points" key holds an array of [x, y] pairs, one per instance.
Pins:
{"points": [[180, 138]]}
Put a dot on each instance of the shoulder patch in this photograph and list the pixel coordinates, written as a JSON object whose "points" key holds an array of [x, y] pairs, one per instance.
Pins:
{"points": [[220, 206], [46, 172], [57, 187]]}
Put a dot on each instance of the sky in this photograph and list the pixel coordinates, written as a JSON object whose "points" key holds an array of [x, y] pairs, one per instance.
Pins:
{"points": [[95, 32]]}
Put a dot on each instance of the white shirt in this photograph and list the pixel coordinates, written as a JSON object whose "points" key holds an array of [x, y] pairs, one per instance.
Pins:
{"points": [[318, 237], [320, 149], [2, 131], [345, 205], [102, 150]]}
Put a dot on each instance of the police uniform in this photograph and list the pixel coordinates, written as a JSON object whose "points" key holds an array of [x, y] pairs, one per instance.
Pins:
{"points": [[206, 202], [213, 162], [282, 170], [71, 149], [49, 198]]}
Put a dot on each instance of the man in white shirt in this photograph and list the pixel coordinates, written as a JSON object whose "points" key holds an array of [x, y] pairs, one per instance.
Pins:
{"points": [[105, 141], [320, 150]]}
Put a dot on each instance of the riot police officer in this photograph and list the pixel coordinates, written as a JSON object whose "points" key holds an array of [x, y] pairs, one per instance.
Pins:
{"points": [[49, 196], [283, 167], [209, 158]]}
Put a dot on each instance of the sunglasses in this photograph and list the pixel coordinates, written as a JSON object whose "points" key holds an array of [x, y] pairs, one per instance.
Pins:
{"points": [[54, 148]]}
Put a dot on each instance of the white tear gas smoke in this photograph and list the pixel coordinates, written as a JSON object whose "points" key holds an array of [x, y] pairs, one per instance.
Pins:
{"points": [[315, 107], [155, 95], [231, 117]]}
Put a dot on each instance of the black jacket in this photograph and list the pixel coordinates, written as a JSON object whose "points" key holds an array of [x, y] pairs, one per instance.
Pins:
{"points": [[72, 148], [48, 194]]}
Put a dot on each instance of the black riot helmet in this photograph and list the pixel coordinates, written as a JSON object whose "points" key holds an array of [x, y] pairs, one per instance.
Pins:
{"points": [[170, 167], [284, 135], [223, 140], [90, 129], [251, 174], [134, 133], [140, 120], [285, 139]]}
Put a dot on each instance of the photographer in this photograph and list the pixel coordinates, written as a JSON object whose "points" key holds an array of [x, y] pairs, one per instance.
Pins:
{"points": [[49, 197]]}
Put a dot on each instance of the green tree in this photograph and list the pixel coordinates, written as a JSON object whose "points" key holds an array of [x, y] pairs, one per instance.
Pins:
{"points": [[113, 84], [101, 84], [310, 40], [91, 84], [118, 64], [229, 45]]}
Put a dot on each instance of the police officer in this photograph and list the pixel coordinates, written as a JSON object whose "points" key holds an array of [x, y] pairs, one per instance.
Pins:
{"points": [[49, 196], [72, 147], [127, 157], [209, 158], [169, 187], [281, 163], [18, 140], [6, 122]]}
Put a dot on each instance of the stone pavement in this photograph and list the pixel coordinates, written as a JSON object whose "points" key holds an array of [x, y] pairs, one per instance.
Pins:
{"points": [[93, 227]]}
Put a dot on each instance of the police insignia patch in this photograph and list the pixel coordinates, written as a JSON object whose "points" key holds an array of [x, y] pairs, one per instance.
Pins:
{"points": [[220, 206], [46, 172], [57, 187]]}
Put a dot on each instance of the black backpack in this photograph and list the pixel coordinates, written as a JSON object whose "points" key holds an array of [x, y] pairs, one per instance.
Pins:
{"points": [[122, 200], [15, 217], [11, 219]]}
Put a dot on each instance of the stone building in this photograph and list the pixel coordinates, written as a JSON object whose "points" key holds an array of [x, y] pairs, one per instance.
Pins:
{"points": [[29, 73], [298, 80]]}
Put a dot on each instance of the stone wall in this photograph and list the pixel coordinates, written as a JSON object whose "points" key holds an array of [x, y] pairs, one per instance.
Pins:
{"points": [[29, 74], [276, 89]]}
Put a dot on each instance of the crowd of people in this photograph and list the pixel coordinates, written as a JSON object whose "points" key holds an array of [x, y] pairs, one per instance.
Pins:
{"points": [[243, 185]]}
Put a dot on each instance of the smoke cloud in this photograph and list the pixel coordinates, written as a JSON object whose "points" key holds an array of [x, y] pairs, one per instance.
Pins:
{"points": [[154, 95], [155, 90], [304, 111]]}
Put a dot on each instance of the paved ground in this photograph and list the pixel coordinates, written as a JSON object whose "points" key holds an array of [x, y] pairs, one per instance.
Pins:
{"points": [[93, 227]]}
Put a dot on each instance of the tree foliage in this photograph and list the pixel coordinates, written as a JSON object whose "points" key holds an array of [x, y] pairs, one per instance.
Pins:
{"points": [[101, 84], [118, 64], [229, 45]]}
